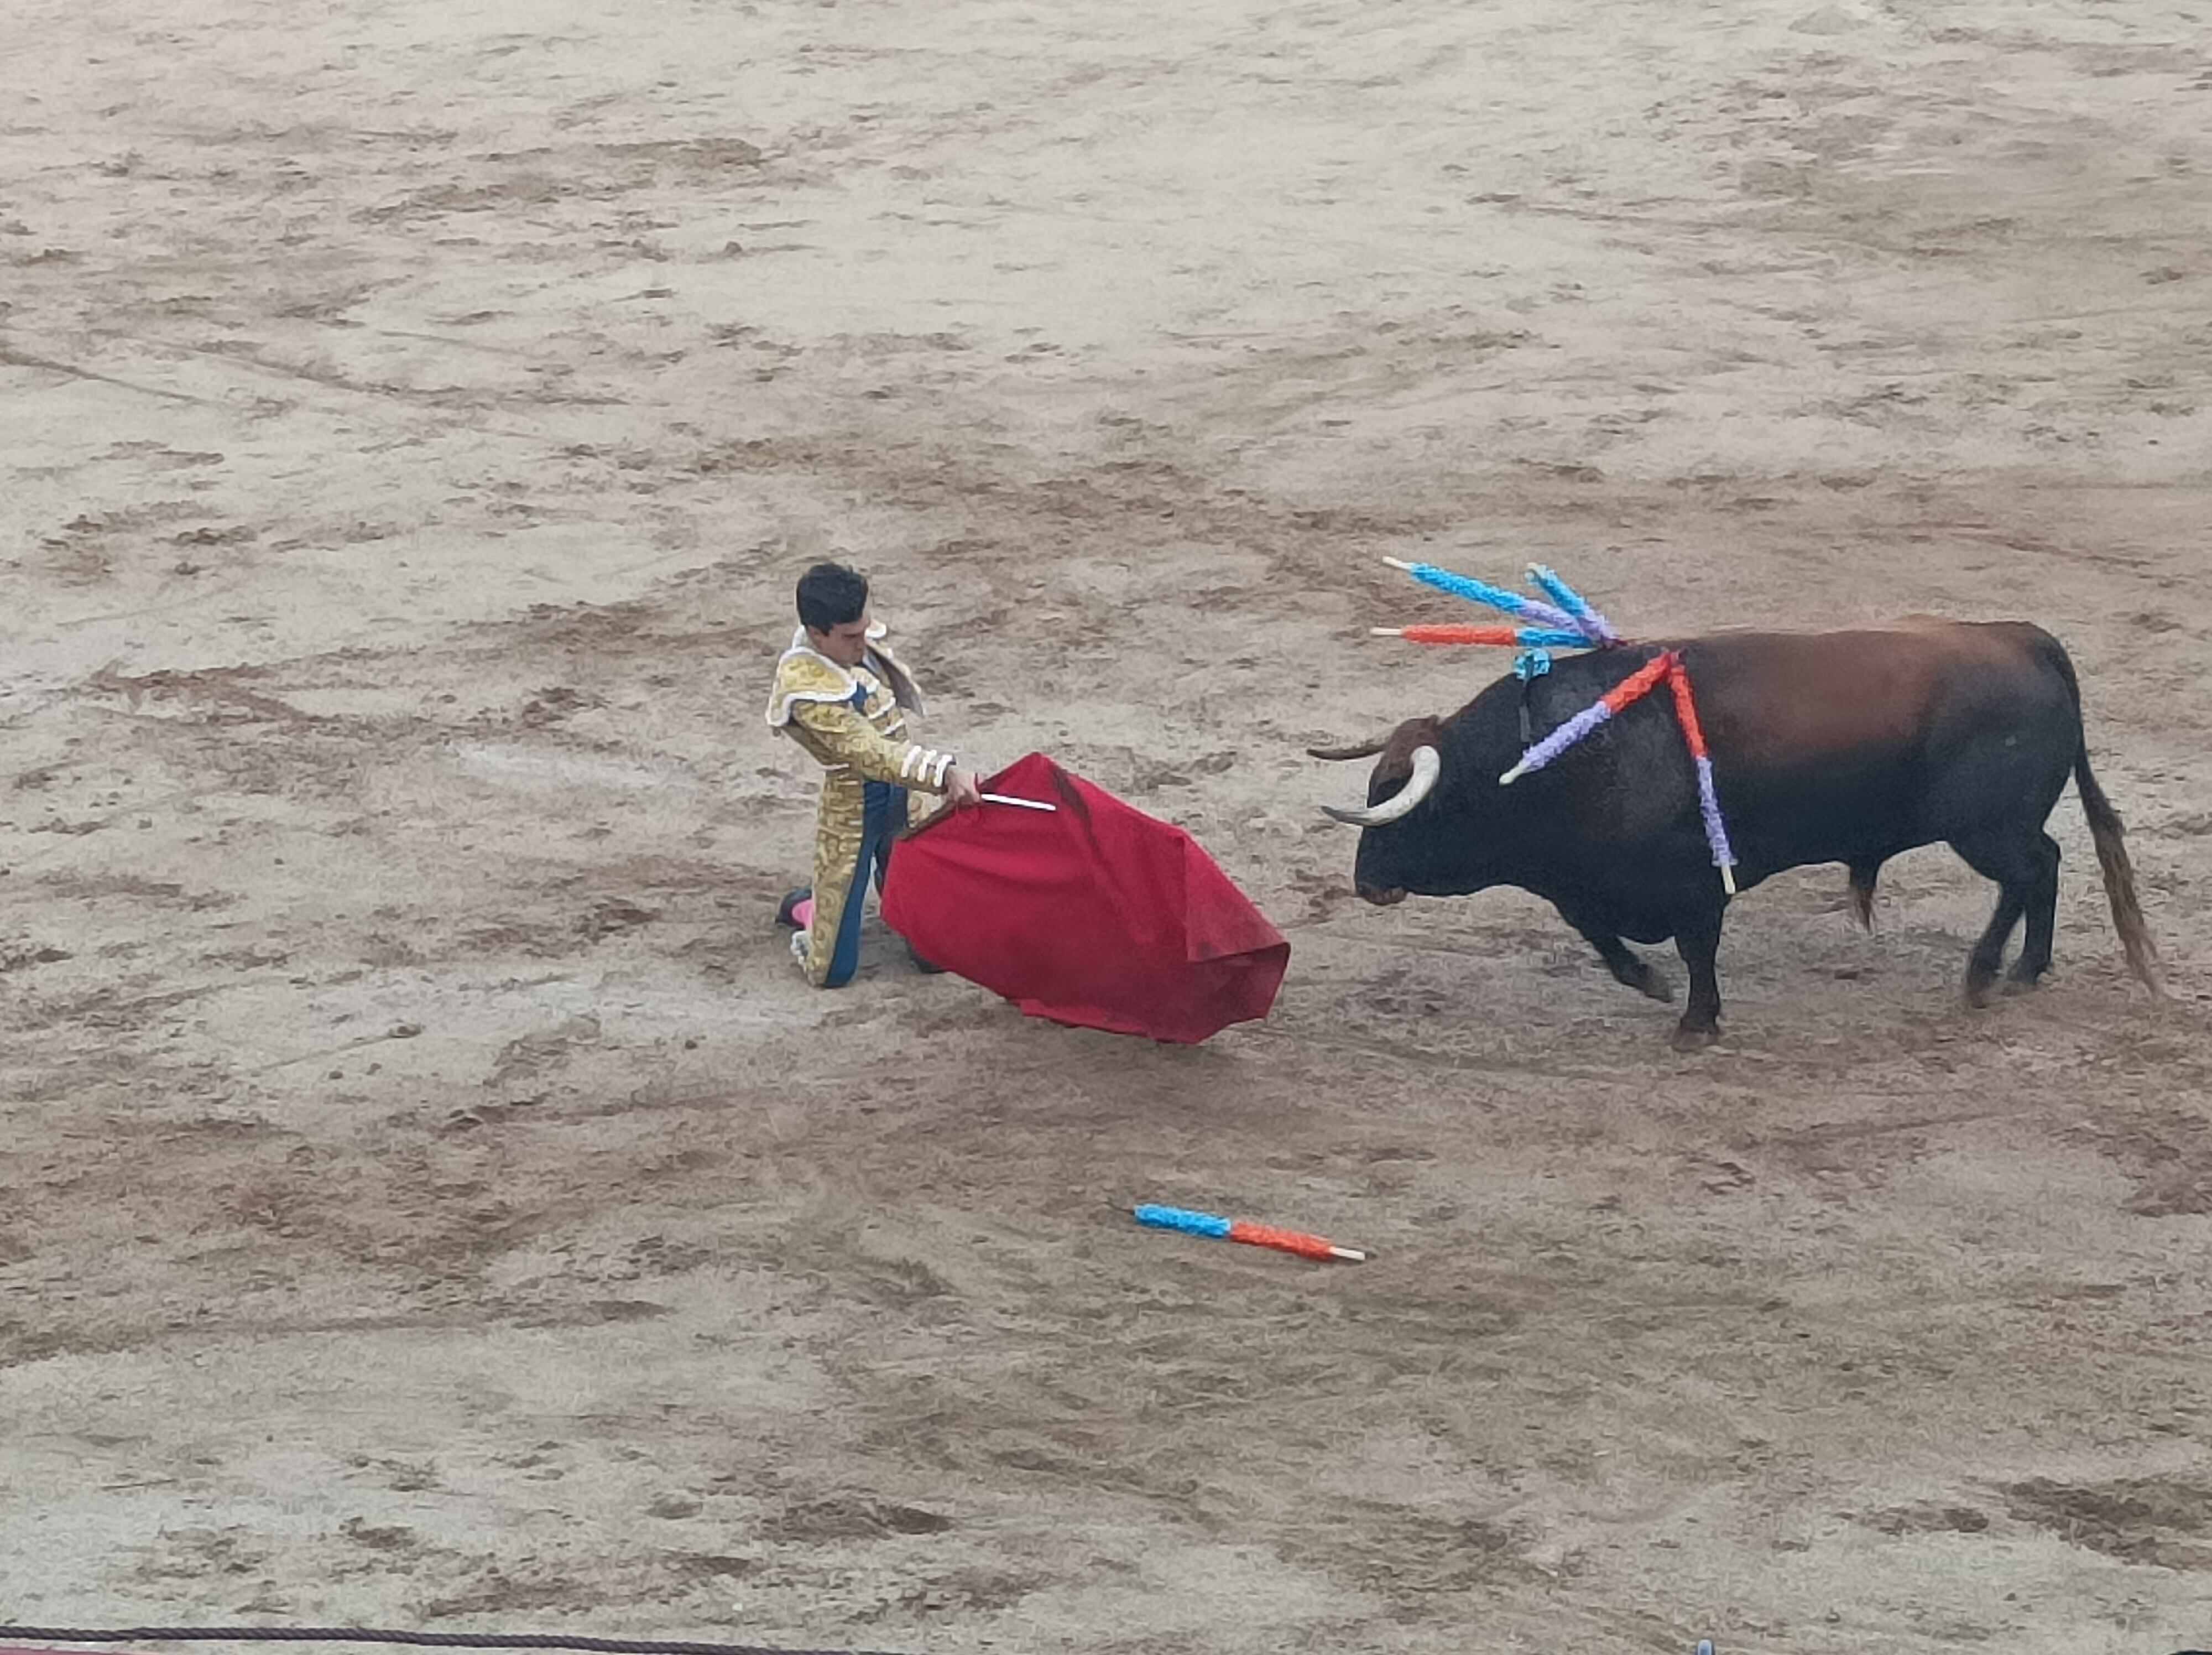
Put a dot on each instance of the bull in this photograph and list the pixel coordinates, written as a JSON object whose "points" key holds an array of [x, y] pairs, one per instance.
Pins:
{"points": [[1848, 746]]}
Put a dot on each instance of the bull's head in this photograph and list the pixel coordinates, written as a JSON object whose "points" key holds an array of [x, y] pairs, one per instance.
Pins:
{"points": [[1405, 774]]}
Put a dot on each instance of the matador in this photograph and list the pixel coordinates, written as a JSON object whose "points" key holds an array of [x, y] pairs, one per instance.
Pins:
{"points": [[842, 695]]}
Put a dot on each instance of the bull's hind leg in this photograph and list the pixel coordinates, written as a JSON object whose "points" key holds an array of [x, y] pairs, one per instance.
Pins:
{"points": [[2026, 869], [2042, 916]]}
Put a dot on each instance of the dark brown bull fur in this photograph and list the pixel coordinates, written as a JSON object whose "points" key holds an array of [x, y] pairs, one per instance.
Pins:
{"points": [[1849, 747]]}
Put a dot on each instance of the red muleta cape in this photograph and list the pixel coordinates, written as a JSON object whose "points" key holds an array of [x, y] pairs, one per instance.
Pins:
{"points": [[1092, 914]]}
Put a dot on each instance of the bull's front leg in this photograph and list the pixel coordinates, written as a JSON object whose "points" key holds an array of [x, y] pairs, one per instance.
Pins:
{"points": [[1698, 940], [1628, 968]]}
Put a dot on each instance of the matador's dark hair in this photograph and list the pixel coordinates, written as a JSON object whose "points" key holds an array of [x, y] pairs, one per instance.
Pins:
{"points": [[829, 594]]}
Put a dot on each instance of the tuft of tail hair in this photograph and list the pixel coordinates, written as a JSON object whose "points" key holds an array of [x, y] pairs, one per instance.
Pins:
{"points": [[2109, 837]]}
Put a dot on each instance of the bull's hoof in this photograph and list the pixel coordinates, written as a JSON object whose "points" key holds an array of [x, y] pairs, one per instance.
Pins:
{"points": [[1642, 975], [1687, 1038], [1979, 992]]}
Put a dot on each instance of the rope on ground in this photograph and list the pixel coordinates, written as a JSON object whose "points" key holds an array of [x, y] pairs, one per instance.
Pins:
{"points": [[379, 1635]]}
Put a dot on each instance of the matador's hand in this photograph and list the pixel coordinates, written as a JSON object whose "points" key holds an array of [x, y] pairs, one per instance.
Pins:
{"points": [[960, 789]]}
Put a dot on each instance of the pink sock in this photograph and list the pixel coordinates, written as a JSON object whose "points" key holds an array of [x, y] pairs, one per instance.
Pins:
{"points": [[802, 913]]}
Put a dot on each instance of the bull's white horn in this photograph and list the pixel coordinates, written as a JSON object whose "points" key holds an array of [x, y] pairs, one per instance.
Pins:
{"points": [[1428, 765]]}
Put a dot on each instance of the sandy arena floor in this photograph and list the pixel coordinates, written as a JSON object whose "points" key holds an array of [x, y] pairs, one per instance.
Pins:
{"points": [[433, 1200]]}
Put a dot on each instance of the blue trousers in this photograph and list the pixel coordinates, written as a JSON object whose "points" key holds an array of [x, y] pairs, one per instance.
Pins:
{"points": [[843, 875]]}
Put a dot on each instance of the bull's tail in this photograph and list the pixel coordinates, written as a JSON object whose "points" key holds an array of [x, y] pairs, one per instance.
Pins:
{"points": [[2111, 840], [2109, 837]]}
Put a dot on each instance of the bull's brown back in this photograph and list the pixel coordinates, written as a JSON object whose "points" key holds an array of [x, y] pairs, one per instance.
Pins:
{"points": [[1796, 695]]}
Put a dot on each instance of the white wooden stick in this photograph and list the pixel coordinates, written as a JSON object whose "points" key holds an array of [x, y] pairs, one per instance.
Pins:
{"points": [[1026, 804]]}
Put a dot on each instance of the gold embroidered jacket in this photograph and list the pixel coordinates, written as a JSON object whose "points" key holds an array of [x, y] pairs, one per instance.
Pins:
{"points": [[855, 721]]}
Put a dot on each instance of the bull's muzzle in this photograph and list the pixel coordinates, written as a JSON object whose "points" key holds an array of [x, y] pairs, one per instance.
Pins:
{"points": [[1428, 765]]}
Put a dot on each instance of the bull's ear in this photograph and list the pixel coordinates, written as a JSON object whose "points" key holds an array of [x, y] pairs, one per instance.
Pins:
{"points": [[1364, 750]]}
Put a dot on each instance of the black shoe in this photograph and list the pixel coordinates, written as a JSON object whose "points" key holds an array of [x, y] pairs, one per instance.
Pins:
{"points": [[792, 899], [927, 967]]}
